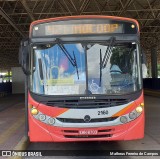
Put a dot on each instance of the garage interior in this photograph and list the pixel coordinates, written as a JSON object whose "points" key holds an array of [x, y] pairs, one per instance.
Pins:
{"points": [[15, 19]]}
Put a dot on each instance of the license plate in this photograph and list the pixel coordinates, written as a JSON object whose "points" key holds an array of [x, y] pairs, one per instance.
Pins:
{"points": [[88, 132]]}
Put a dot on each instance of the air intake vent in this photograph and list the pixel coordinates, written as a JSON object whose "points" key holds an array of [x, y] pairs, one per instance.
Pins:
{"points": [[88, 136], [91, 103]]}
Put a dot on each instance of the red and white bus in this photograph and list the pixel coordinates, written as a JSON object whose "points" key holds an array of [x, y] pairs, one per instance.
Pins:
{"points": [[83, 79]]}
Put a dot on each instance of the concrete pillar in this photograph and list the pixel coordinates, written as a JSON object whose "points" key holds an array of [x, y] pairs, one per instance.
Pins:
{"points": [[154, 62]]}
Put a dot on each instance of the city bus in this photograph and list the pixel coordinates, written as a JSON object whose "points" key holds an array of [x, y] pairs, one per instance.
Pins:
{"points": [[83, 79]]}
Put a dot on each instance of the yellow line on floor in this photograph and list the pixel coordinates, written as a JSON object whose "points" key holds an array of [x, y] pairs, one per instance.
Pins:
{"points": [[10, 131], [21, 146]]}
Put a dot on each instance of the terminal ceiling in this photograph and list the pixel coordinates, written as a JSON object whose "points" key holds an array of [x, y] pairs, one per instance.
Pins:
{"points": [[16, 16]]}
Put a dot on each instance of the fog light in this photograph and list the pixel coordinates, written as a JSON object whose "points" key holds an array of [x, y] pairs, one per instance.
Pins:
{"points": [[51, 121], [139, 109], [132, 115], [34, 111], [123, 119], [42, 117]]}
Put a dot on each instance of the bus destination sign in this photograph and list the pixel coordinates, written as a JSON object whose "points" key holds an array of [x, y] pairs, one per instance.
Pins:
{"points": [[83, 29]]}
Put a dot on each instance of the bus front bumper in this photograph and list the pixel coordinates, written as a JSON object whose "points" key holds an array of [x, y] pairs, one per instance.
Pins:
{"points": [[40, 132]]}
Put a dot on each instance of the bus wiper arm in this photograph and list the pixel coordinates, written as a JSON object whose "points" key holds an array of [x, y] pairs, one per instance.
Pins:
{"points": [[100, 78], [108, 52], [72, 60], [103, 62], [76, 64]]}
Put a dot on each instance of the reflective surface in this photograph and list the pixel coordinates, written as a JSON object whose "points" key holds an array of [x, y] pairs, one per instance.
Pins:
{"points": [[54, 73], [119, 72], [63, 69]]}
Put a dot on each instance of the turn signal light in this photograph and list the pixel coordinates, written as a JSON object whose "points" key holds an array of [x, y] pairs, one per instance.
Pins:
{"points": [[30, 106]]}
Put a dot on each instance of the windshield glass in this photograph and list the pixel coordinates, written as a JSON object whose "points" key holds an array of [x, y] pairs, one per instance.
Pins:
{"points": [[70, 69], [55, 74], [113, 70]]}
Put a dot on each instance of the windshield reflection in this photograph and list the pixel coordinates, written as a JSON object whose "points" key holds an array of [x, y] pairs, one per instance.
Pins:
{"points": [[53, 73], [60, 76], [120, 74]]}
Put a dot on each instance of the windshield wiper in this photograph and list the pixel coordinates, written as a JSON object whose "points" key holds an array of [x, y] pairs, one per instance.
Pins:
{"points": [[100, 68], [106, 57], [70, 58], [76, 64], [108, 52]]}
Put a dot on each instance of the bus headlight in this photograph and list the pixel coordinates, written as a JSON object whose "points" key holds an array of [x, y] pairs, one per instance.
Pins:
{"points": [[132, 115], [34, 111], [51, 121], [139, 109], [123, 119], [42, 117]]}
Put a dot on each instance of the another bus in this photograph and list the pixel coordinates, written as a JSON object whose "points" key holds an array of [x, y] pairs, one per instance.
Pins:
{"points": [[83, 79]]}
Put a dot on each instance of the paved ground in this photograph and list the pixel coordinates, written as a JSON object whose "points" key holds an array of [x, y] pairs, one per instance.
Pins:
{"points": [[11, 100], [12, 131], [11, 121]]}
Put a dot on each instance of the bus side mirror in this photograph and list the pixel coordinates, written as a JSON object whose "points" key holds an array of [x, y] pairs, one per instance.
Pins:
{"points": [[24, 56]]}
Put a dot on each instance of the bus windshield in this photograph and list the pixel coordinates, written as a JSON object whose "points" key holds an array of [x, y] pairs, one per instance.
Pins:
{"points": [[90, 68]]}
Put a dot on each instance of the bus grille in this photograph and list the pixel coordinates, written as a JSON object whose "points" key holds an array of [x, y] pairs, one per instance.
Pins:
{"points": [[70, 120], [90, 103], [87, 136], [99, 131]]}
